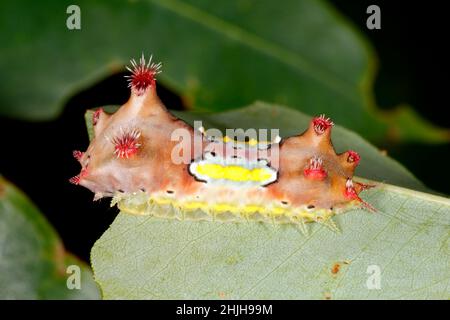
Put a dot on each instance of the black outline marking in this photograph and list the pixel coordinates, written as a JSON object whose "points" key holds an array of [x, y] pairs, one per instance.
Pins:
{"points": [[193, 175]]}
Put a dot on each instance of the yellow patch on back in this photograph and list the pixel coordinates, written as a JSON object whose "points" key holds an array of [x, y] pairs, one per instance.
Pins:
{"points": [[233, 172]]}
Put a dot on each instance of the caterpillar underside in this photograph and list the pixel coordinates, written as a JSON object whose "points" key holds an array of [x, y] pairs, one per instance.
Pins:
{"points": [[152, 163], [140, 203]]}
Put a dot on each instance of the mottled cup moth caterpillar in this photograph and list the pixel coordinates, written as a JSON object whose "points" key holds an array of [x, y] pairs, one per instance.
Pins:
{"points": [[131, 159]]}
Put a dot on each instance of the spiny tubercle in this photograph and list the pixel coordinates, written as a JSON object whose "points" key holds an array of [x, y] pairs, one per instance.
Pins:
{"points": [[126, 143], [143, 74]]}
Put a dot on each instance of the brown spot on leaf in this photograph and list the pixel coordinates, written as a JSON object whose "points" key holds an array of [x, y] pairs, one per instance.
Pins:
{"points": [[336, 267], [327, 296]]}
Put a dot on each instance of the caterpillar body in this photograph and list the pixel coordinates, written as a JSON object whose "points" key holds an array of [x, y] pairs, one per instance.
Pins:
{"points": [[135, 159]]}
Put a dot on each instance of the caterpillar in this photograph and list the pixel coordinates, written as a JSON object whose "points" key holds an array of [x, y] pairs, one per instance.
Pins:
{"points": [[147, 159]]}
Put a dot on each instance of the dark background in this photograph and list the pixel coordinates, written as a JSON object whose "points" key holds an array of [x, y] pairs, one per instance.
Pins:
{"points": [[413, 65], [413, 69]]}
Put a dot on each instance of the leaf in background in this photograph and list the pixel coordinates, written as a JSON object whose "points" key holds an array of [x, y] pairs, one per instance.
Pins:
{"points": [[403, 127], [33, 261], [140, 257], [216, 56]]}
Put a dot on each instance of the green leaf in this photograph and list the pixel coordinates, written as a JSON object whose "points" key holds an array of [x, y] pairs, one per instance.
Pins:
{"points": [[216, 56], [407, 241], [33, 261], [403, 127]]}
